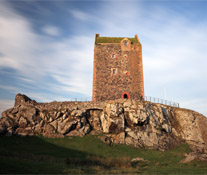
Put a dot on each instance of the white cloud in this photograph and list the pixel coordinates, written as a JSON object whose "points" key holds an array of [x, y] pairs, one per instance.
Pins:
{"points": [[10, 88], [80, 15], [36, 56], [17, 41], [78, 83], [51, 30]]}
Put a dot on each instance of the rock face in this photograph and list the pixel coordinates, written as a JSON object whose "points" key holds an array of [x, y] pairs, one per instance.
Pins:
{"points": [[140, 124], [194, 156]]}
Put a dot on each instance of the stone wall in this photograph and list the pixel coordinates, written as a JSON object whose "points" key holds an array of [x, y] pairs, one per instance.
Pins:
{"points": [[127, 62]]}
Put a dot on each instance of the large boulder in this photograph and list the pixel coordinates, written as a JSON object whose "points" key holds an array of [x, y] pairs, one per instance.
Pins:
{"points": [[191, 127], [93, 117]]}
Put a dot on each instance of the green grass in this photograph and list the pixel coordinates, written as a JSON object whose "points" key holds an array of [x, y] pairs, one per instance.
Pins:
{"points": [[88, 155], [114, 40]]}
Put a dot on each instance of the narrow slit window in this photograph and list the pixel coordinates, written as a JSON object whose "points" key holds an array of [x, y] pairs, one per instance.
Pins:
{"points": [[125, 43], [114, 71]]}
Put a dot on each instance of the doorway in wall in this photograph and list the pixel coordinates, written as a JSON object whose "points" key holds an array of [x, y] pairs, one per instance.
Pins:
{"points": [[125, 95]]}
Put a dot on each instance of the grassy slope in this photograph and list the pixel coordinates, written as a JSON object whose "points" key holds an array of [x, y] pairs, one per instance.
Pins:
{"points": [[88, 155]]}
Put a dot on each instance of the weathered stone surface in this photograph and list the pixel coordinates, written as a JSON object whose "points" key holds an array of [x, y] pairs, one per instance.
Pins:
{"points": [[25, 131], [119, 138], [138, 159], [39, 127], [6, 125], [79, 132], [93, 117], [4, 114], [23, 99], [49, 131], [191, 127], [76, 113], [67, 126], [194, 156], [166, 128], [140, 124], [3, 129], [23, 122]]}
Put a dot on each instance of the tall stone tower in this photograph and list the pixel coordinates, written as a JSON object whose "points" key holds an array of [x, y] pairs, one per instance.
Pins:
{"points": [[118, 69]]}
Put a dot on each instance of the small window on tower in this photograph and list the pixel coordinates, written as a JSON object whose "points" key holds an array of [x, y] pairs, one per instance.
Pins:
{"points": [[114, 55], [125, 43], [114, 71]]}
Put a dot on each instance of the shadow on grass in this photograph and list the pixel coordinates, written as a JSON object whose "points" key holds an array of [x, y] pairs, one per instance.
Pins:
{"points": [[47, 155], [35, 155]]}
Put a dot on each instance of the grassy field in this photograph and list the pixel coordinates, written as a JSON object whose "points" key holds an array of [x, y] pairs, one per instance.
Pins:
{"points": [[88, 155]]}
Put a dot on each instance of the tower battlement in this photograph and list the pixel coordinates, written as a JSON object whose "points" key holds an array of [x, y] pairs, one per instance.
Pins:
{"points": [[118, 68]]}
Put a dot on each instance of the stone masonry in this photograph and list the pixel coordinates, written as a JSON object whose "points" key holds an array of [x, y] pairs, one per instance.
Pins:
{"points": [[118, 69]]}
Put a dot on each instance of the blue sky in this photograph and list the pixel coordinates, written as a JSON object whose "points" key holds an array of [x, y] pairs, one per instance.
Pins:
{"points": [[46, 47]]}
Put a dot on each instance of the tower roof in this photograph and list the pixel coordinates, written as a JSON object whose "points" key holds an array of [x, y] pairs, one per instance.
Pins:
{"points": [[114, 39]]}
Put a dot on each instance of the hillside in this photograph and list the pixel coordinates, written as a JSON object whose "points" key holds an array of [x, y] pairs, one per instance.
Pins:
{"points": [[89, 155], [139, 124]]}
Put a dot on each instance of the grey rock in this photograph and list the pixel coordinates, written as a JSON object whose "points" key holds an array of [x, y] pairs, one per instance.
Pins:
{"points": [[138, 159]]}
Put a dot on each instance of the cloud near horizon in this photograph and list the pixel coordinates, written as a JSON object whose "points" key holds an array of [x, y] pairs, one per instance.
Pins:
{"points": [[48, 64]]}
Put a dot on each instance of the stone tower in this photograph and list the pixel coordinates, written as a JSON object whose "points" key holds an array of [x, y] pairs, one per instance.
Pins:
{"points": [[118, 69]]}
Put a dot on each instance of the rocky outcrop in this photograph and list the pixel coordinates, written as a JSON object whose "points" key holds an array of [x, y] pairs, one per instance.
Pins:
{"points": [[194, 156], [140, 124], [138, 159], [23, 99]]}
